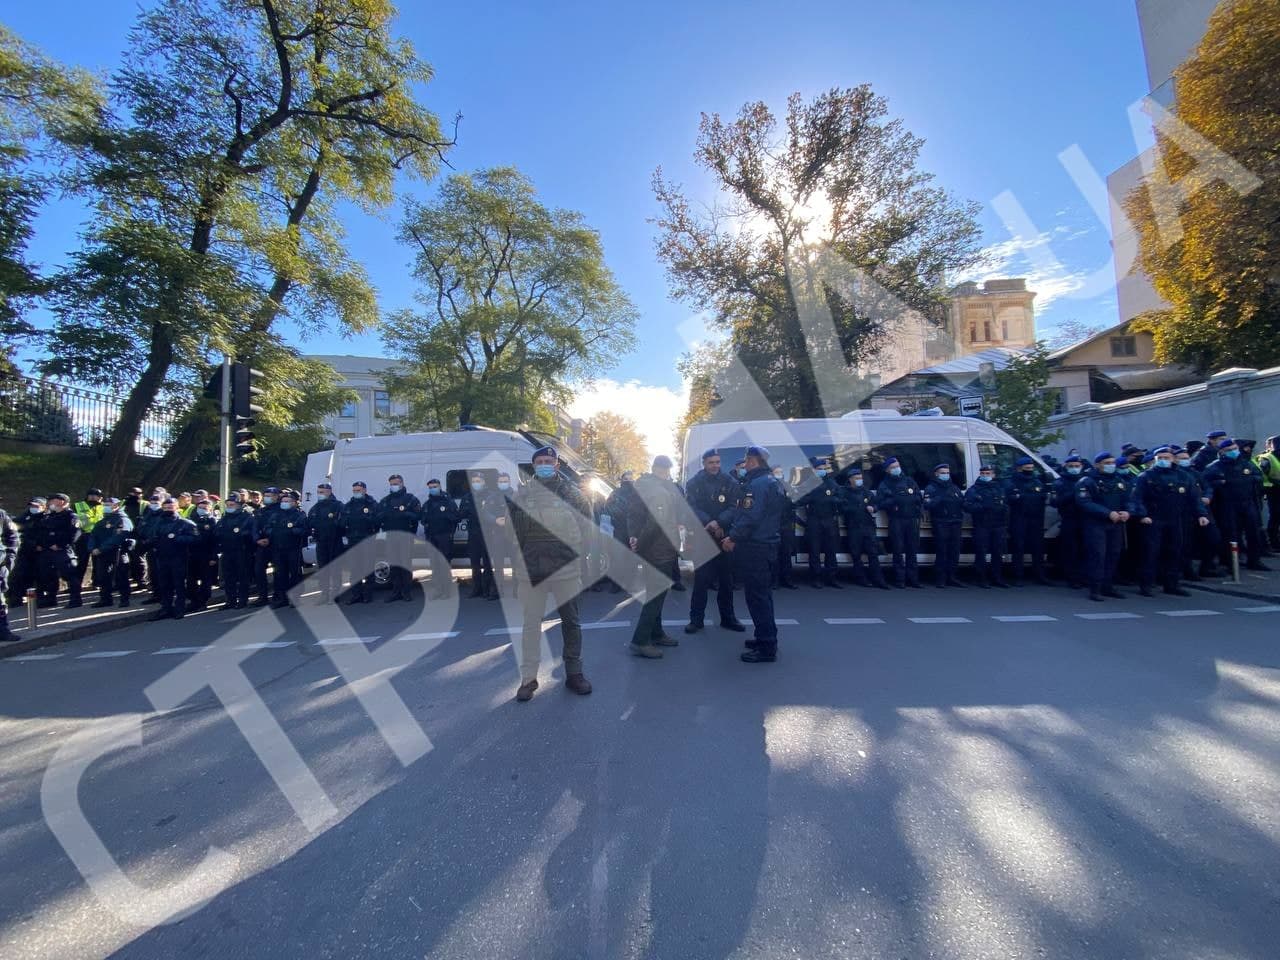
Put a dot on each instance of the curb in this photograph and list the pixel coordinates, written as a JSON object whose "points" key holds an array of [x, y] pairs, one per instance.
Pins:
{"points": [[56, 636], [1232, 592]]}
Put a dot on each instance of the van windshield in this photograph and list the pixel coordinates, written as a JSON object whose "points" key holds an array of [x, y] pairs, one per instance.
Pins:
{"points": [[566, 454]]}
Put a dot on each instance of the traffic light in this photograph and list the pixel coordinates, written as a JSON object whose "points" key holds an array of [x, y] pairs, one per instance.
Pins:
{"points": [[243, 408], [243, 436]]}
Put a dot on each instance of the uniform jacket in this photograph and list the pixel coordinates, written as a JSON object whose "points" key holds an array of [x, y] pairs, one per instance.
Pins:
{"points": [[822, 503], [713, 497], [653, 519], [550, 517], [147, 524], [236, 530], [173, 536], [361, 518], [1064, 496], [618, 506], [10, 540], [401, 511], [1233, 481], [59, 530], [944, 501], [324, 519], [856, 500], [286, 529], [1166, 496], [439, 515], [110, 533], [27, 522], [757, 517], [900, 497], [1028, 495], [987, 503], [1098, 494]]}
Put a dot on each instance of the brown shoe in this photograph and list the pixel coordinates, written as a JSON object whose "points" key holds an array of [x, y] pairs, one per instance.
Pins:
{"points": [[666, 640], [526, 690], [578, 684]]}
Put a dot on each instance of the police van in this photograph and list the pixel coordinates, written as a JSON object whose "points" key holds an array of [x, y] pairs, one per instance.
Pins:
{"points": [[449, 456], [866, 438]]}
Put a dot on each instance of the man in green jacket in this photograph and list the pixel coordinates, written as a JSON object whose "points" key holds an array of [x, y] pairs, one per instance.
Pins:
{"points": [[550, 517], [88, 511], [653, 524]]}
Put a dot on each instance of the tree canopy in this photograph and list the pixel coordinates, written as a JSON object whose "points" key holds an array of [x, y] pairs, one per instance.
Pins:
{"points": [[611, 444], [1021, 406]]}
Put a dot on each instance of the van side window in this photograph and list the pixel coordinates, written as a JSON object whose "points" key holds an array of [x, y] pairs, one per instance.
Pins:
{"points": [[917, 461], [458, 482], [999, 455]]}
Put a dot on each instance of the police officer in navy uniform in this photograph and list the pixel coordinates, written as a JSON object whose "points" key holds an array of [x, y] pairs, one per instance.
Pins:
{"points": [[439, 520], [56, 555], [202, 560], [10, 541], [1208, 452], [901, 498], [1103, 498], [476, 510], [235, 534], [107, 545], [712, 496], [504, 546], [361, 519], [401, 512], [1071, 524], [174, 535], [285, 531], [752, 541], [987, 503], [262, 553], [859, 507], [324, 526], [1028, 496], [822, 505], [945, 502], [1163, 501], [23, 575], [1234, 481]]}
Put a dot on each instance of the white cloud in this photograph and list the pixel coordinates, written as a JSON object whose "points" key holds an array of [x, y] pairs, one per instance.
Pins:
{"points": [[1016, 257], [654, 409]]}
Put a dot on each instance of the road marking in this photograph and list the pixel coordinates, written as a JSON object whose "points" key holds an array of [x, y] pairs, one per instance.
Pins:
{"points": [[1109, 616], [442, 635], [852, 621], [516, 631], [674, 623], [1030, 618], [627, 712], [1189, 613], [105, 654], [339, 641], [34, 656], [273, 645], [939, 619], [1270, 608], [163, 650], [606, 624], [784, 623]]}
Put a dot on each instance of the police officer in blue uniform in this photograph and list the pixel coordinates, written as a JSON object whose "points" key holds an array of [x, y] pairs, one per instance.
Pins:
{"points": [[324, 527], [1234, 481], [173, 535], [361, 519], [901, 498], [1163, 501], [202, 559], [235, 534], [1208, 452], [752, 541], [713, 496], [1028, 496], [944, 501], [107, 544], [987, 503], [439, 520], [23, 575], [859, 506], [262, 553], [1071, 524], [787, 536], [822, 506], [1103, 498], [401, 513], [285, 531], [475, 509], [56, 555]]}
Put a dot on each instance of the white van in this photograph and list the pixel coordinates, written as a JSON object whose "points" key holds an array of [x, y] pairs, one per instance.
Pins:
{"points": [[449, 456], [866, 438]]}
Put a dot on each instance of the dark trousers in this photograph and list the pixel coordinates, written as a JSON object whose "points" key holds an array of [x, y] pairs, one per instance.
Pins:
{"points": [[328, 568], [86, 561], [821, 538], [237, 574], [52, 567], [1071, 549], [649, 625], [400, 561], [111, 576], [1102, 543], [946, 550], [282, 576], [863, 540], [22, 577], [361, 580], [502, 547], [988, 552], [1272, 494], [1026, 536], [150, 555], [481, 563], [786, 552], [261, 560], [754, 562], [171, 583], [1162, 556], [1239, 522], [202, 571], [137, 570], [904, 543], [716, 573], [441, 571]]}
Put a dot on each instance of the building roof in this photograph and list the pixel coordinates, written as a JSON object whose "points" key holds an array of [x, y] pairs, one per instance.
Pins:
{"points": [[1061, 353], [347, 363], [1000, 356]]}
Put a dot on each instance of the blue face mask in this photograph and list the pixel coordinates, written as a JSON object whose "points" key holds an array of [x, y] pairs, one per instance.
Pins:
{"points": [[286, 505], [895, 471], [741, 472], [433, 491], [1164, 464], [820, 472], [857, 481], [544, 471], [1185, 464], [1073, 471], [943, 477], [1108, 468], [1231, 454], [983, 478], [504, 485]]}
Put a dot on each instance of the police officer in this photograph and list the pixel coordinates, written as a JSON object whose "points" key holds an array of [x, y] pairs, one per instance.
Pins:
{"points": [[88, 511], [654, 525], [10, 540], [475, 509], [23, 576], [618, 506], [262, 554], [324, 527], [144, 534], [752, 541], [859, 508], [285, 530], [1071, 524], [108, 545], [503, 545], [787, 535], [235, 534], [987, 503], [202, 555], [1208, 452], [439, 520], [361, 519], [1028, 497], [822, 505], [1269, 465], [944, 500], [901, 498], [55, 547], [1163, 501], [401, 513], [1103, 498], [1232, 480], [174, 534], [550, 515], [712, 496]]}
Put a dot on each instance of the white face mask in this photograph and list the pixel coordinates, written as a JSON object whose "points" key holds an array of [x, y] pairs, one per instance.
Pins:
{"points": [[232, 508], [201, 512], [895, 471]]}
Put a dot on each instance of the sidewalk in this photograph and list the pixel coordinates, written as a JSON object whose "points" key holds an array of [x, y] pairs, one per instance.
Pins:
{"points": [[1253, 585], [59, 624]]}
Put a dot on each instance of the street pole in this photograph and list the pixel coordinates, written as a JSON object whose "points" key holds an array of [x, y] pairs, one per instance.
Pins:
{"points": [[224, 457]]}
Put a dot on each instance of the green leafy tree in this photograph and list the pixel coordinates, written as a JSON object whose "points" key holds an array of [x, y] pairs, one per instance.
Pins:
{"points": [[237, 128], [827, 236], [516, 303], [1021, 406]]}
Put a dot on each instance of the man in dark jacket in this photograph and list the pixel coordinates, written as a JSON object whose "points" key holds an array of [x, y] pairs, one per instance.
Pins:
{"points": [[10, 540], [1164, 503], [439, 520], [654, 525], [712, 496], [324, 527], [618, 506], [945, 502], [401, 513], [285, 531], [752, 540], [24, 574], [56, 554], [1103, 498], [902, 499], [107, 546], [1070, 526], [262, 553], [860, 529], [235, 534], [361, 519], [1028, 497], [475, 510], [132, 508], [173, 536], [1233, 481], [550, 516], [787, 535], [202, 560], [987, 503], [821, 504]]}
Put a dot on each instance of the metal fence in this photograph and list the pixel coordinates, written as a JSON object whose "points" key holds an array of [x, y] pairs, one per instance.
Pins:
{"points": [[42, 411]]}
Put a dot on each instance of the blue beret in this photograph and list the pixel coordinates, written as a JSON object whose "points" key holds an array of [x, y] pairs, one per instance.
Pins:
{"points": [[1127, 447], [1175, 448], [942, 466], [1074, 458], [1164, 449], [233, 498], [819, 461], [434, 480], [759, 452], [662, 460], [547, 451], [1149, 457], [891, 461], [170, 500], [40, 500], [1023, 461], [359, 483], [1226, 442], [1215, 434], [709, 453], [1103, 456], [855, 470], [59, 496]]}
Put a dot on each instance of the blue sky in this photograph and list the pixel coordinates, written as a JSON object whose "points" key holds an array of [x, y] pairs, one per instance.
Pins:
{"points": [[589, 98]]}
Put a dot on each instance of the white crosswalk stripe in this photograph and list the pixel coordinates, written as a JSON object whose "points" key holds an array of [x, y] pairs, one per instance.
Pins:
{"points": [[175, 650], [1269, 608], [439, 635], [1189, 613], [341, 641], [852, 621], [272, 645], [32, 656], [1109, 616], [1028, 618], [105, 654], [606, 624], [939, 619]]}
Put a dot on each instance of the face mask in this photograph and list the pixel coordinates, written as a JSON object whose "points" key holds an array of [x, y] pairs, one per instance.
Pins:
{"points": [[820, 473], [1073, 471], [323, 495], [504, 485], [1231, 454], [857, 481], [943, 477], [171, 513], [895, 471], [233, 508], [357, 494], [1185, 463], [742, 472], [477, 484], [286, 505], [433, 491], [777, 474], [1164, 464], [201, 512], [1108, 468], [544, 471], [984, 479], [34, 510], [153, 507], [396, 488], [268, 500]]}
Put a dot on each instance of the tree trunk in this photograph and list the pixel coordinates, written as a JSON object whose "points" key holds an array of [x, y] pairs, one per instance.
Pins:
{"points": [[808, 398], [118, 457]]}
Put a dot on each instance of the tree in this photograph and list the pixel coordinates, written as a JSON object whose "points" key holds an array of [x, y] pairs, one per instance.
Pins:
{"points": [[515, 303], [829, 236], [612, 444], [238, 127], [1021, 406], [1208, 216]]}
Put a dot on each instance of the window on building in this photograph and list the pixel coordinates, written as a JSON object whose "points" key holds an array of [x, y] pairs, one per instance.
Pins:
{"points": [[1004, 329], [381, 403], [1059, 395], [1124, 346], [348, 409], [973, 333]]}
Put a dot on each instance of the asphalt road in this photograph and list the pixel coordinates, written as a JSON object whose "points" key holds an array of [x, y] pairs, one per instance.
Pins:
{"points": [[929, 781]]}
